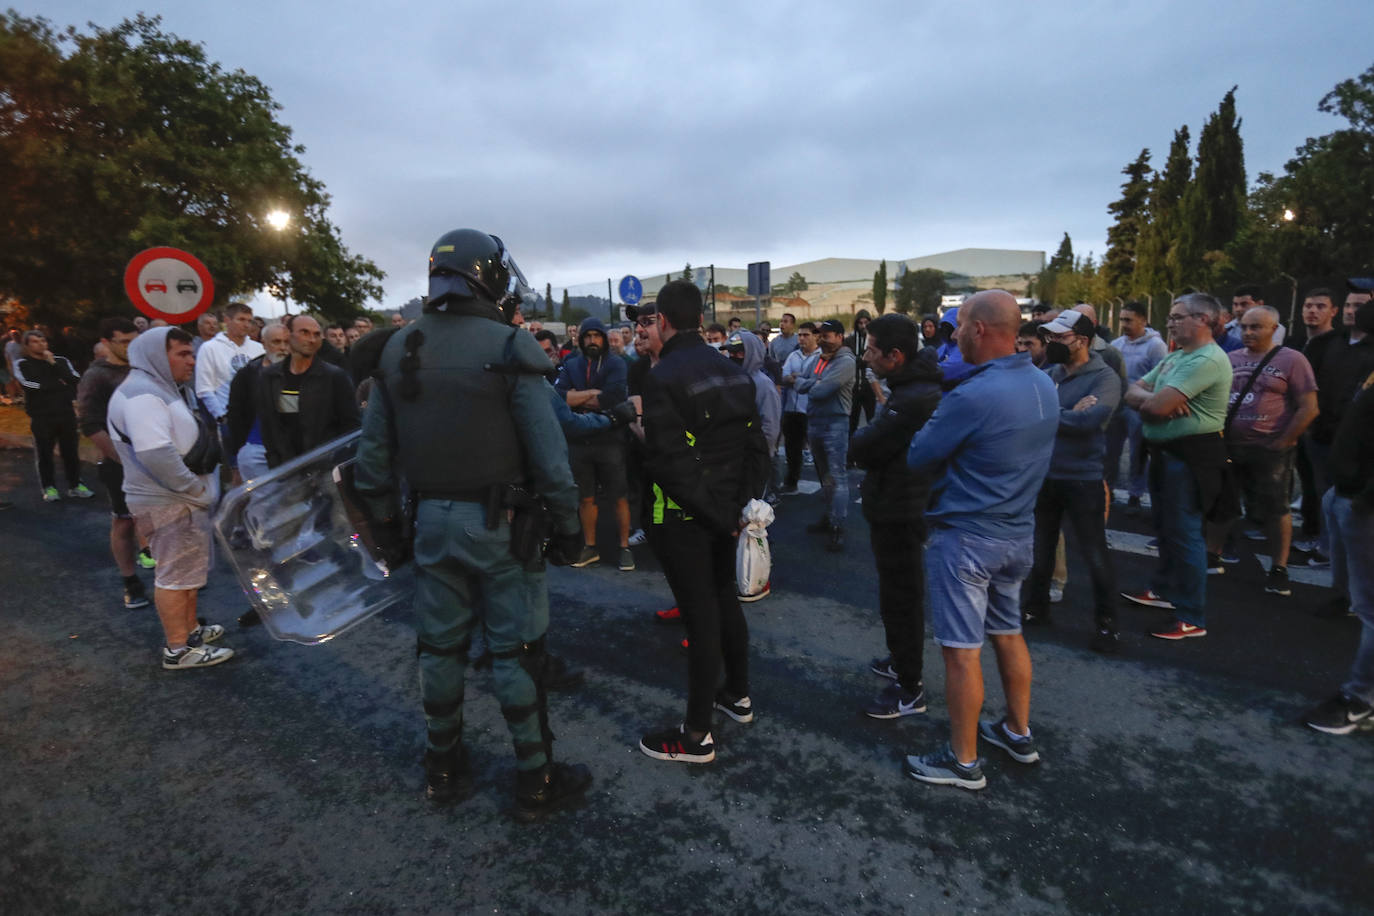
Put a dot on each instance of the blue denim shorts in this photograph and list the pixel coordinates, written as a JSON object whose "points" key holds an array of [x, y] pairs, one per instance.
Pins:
{"points": [[975, 585]]}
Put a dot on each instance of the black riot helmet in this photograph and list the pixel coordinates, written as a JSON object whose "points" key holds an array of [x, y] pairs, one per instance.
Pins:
{"points": [[470, 264]]}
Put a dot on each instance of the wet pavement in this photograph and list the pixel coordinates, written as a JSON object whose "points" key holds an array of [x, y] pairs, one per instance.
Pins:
{"points": [[1175, 776]]}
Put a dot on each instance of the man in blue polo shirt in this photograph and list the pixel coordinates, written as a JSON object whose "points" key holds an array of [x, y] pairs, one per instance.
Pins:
{"points": [[990, 442]]}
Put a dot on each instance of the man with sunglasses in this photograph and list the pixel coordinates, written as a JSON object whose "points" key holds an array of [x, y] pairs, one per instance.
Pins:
{"points": [[1182, 403]]}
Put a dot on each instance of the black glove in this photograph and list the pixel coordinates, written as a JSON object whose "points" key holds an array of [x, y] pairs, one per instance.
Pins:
{"points": [[622, 414], [563, 549]]}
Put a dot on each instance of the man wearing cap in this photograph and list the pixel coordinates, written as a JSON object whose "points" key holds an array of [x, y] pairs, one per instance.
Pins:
{"points": [[829, 388], [1089, 394], [1182, 403]]}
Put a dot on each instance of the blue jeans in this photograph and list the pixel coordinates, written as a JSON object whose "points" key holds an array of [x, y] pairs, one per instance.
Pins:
{"points": [[829, 438], [1181, 576], [1352, 572]]}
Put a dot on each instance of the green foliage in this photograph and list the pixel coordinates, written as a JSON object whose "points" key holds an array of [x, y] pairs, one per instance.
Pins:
{"points": [[795, 284], [1213, 206], [1327, 186], [565, 314], [1131, 217], [548, 300], [687, 272], [129, 137], [919, 291], [880, 287], [1156, 255], [1047, 284]]}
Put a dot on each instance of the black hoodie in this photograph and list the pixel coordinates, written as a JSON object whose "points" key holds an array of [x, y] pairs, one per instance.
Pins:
{"points": [[892, 491]]}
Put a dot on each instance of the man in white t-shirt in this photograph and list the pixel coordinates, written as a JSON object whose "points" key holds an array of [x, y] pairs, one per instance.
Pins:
{"points": [[219, 359]]}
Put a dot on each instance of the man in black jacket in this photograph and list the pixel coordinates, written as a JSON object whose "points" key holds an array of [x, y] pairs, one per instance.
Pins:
{"points": [[303, 402], [707, 458], [49, 384], [894, 503]]}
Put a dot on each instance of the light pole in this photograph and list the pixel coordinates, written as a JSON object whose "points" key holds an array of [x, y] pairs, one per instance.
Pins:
{"points": [[1293, 305], [279, 220]]}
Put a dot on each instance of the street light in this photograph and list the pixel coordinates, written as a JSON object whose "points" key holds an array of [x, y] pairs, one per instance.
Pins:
{"points": [[279, 219]]}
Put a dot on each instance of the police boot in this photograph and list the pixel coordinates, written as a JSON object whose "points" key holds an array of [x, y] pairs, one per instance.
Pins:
{"points": [[552, 786], [559, 675], [447, 778]]}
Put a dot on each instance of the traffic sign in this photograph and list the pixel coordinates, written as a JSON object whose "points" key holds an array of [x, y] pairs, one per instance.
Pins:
{"points": [[760, 283], [170, 284], [631, 290]]}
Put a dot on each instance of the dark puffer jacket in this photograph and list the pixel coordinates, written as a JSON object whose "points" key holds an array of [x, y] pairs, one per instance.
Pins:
{"points": [[891, 491]]}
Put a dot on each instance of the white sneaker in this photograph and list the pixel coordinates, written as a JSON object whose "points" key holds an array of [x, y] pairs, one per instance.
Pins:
{"points": [[208, 633], [638, 537], [1056, 594], [201, 656]]}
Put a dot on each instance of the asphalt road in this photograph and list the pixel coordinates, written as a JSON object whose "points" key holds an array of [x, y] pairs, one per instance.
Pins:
{"points": [[1175, 776]]}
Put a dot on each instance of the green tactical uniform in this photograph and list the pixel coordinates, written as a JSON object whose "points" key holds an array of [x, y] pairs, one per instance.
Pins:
{"points": [[461, 429]]}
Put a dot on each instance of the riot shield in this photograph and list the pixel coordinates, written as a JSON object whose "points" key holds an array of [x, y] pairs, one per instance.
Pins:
{"points": [[301, 551]]}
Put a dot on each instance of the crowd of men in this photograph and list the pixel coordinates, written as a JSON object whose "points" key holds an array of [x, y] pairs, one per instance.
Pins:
{"points": [[982, 438]]}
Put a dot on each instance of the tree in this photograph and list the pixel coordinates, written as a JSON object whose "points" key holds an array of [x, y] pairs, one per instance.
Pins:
{"points": [[1213, 206], [920, 290], [548, 299], [1327, 188], [880, 287], [795, 284], [127, 138], [565, 313], [687, 272], [1156, 255], [1047, 284], [1118, 265]]}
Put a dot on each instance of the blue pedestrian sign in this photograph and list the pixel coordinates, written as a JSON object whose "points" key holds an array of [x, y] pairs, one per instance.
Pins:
{"points": [[631, 290]]}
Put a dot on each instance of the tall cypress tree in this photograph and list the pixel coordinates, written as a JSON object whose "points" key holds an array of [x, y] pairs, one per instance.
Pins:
{"points": [[1118, 265], [880, 287], [1214, 204], [1156, 262]]}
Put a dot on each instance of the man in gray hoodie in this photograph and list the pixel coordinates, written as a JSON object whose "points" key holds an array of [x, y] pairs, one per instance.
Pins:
{"points": [[1141, 348], [829, 388], [151, 423], [748, 350], [1089, 394]]}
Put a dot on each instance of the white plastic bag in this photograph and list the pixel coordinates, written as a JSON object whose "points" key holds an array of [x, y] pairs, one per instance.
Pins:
{"points": [[753, 558]]}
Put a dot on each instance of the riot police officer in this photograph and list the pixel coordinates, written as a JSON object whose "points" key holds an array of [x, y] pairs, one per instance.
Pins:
{"points": [[460, 412]]}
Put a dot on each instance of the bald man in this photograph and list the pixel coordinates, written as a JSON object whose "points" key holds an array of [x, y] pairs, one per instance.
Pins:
{"points": [[303, 401], [989, 444]]}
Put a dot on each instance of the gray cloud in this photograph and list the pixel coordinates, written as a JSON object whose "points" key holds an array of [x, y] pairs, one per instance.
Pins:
{"points": [[604, 138]]}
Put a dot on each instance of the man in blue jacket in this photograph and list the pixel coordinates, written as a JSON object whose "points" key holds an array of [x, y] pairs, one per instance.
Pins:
{"points": [[592, 379], [1089, 394], [989, 443]]}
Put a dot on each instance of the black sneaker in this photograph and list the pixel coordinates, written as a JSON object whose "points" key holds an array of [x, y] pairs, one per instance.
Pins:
{"points": [[250, 618], [135, 598], [1035, 618], [1318, 560], [588, 557], [822, 526], [1334, 607], [883, 667], [447, 777], [741, 709], [1339, 715], [1215, 566], [1022, 750], [1106, 641], [552, 786], [895, 701], [1277, 582], [676, 745]]}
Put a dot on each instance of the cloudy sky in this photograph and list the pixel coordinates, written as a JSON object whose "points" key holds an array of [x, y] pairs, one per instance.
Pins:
{"points": [[604, 138]]}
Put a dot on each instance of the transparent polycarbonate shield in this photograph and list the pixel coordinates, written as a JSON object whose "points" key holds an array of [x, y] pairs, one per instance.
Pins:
{"points": [[301, 551]]}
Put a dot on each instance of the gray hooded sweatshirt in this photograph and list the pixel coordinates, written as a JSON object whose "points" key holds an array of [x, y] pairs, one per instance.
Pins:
{"points": [[766, 397], [151, 425]]}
